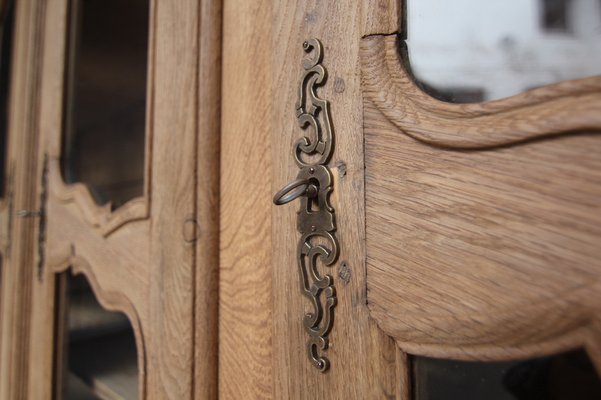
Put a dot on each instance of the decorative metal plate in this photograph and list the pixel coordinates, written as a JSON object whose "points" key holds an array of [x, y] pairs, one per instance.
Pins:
{"points": [[316, 222]]}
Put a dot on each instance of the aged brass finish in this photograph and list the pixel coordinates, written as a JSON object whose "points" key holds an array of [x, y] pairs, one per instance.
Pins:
{"points": [[294, 190], [42, 220], [316, 222]]}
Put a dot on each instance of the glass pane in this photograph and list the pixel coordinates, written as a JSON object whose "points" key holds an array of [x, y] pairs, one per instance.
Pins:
{"points": [[497, 48], [105, 106], [98, 358], [567, 376], [6, 33]]}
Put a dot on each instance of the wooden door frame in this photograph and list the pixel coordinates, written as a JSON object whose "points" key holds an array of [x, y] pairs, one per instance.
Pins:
{"points": [[23, 162], [27, 356], [261, 72], [262, 344]]}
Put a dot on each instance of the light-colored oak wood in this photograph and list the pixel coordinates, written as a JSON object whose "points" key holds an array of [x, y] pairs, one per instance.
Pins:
{"points": [[381, 17], [19, 258], [101, 217], [154, 259], [362, 358], [173, 185], [204, 229], [403, 379], [549, 110], [471, 231], [114, 266], [6, 210], [44, 296], [482, 220], [484, 254], [245, 288]]}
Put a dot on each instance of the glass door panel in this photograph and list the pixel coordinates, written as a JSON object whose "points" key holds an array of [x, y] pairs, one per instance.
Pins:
{"points": [[105, 101]]}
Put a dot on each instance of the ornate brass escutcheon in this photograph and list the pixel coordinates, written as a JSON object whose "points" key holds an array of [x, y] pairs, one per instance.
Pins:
{"points": [[316, 222]]}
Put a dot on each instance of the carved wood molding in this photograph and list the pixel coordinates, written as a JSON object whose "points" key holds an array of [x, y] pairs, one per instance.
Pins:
{"points": [[487, 255], [100, 217], [481, 255], [478, 337], [568, 106], [111, 300]]}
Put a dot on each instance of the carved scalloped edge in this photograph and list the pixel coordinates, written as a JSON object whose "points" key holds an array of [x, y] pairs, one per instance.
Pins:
{"points": [[569, 106], [580, 338], [573, 339], [584, 335], [111, 301], [100, 217]]}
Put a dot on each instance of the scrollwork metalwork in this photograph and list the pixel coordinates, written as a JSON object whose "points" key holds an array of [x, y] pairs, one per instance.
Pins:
{"points": [[316, 221], [310, 108]]}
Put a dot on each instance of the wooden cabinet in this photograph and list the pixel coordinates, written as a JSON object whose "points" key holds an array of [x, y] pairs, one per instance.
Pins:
{"points": [[466, 233], [144, 106]]}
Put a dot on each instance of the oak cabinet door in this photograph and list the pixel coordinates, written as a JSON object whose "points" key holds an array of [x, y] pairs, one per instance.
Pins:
{"points": [[482, 230], [127, 118], [467, 233], [8, 159], [482, 220]]}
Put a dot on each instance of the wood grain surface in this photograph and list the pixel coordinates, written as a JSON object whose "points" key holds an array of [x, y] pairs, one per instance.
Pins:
{"points": [[484, 254], [44, 308], [549, 110], [204, 229], [470, 231], [245, 288], [18, 263], [158, 268], [482, 220], [362, 358], [381, 17]]}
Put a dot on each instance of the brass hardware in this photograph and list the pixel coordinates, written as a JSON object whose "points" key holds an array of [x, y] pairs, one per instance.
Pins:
{"points": [[294, 190], [41, 214], [42, 221], [315, 222], [28, 213]]}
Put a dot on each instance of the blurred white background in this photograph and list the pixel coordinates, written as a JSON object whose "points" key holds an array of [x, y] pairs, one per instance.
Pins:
{"points": [[476, 50]]}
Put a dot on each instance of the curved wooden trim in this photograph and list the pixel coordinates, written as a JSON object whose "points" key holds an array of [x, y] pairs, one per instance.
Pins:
{"points": [[568, 106], [584, 337], [111, 301], [571, 340], [489, 345], [100, 217], [580, 338]]}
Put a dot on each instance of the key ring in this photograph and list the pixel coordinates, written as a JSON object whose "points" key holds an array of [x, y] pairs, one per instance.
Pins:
{"points": [[292, 191]]}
